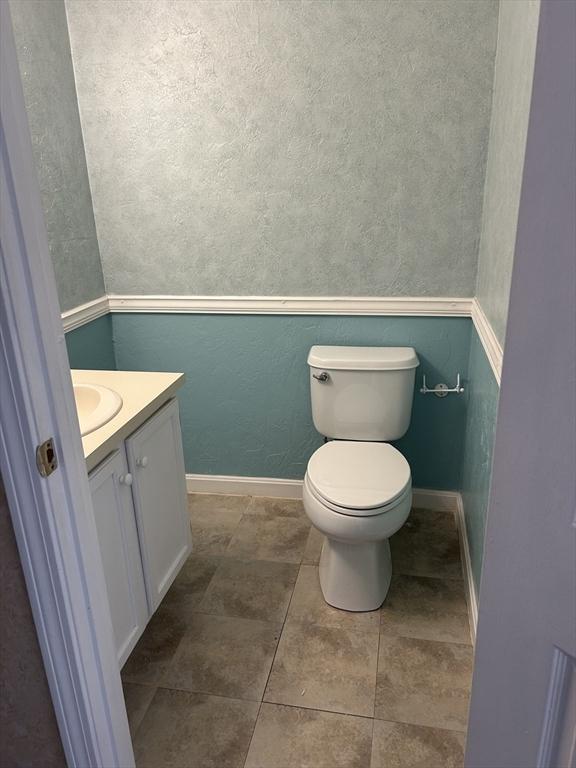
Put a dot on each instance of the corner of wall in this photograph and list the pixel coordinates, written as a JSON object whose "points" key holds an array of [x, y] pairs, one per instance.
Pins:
{"points": [[479, 437], [511, 97], [91, 345]]}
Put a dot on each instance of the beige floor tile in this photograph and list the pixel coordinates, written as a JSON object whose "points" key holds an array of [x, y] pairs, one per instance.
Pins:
{"points": [[431, 518], [309, 607], [427, 545], [214, 519], [250, 589], [423, 682], [427, 608], [422, 593], [137, 698], [313, 547], [190, 585], [155, 649], [212, 643], [326, 668], [270, 538], [225, 657], [267, 507], [397, 745], [289, 737], [447, 628], [190, 730]]}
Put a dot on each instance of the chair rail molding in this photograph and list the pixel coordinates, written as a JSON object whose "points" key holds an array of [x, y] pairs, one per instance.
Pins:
{"points": [[492, 346], [371, 306], [85, 313], [294, 305]]}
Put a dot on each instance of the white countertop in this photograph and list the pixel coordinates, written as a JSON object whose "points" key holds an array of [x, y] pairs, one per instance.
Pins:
{"points": [[142, 393]]}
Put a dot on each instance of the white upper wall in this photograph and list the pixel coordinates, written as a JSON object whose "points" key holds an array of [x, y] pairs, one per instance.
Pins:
{"points": [[513, 73]]}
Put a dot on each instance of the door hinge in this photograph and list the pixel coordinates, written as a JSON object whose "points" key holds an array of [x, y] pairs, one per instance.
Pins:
{"points": [[46, 458]]}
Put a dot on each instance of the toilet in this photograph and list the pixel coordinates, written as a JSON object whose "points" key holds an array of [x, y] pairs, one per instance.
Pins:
{"points": [[358, 488]]}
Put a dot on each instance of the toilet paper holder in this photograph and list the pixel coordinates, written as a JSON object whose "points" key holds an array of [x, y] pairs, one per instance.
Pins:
{"points": [[441, 390]]}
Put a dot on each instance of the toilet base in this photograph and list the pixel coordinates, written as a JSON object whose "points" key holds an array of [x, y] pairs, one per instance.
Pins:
{"points": [[355, 576]]}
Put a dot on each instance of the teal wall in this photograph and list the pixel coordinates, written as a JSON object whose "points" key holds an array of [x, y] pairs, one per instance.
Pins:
{"points": [[245, 407], [91, 346], [478, 445]]}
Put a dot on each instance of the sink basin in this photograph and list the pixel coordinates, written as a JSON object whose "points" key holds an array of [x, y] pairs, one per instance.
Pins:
{"points": [[95, 405]]}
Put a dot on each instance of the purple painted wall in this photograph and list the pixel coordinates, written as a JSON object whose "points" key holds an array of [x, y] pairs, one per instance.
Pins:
{"points": [[529, 575]]}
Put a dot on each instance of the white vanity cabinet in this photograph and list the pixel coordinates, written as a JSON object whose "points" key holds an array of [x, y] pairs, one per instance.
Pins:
{"points": [[140, 507], [156, 462], [120, 550]]}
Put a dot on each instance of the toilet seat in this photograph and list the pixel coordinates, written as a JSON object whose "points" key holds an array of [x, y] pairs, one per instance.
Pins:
{"points": [[361, 514], [361, 479]]}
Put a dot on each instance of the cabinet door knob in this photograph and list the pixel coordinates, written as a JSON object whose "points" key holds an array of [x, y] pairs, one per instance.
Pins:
{"points": [[142, 461], [125, 479]]}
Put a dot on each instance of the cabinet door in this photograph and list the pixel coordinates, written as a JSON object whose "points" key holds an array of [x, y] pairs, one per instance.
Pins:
{"points": [[120, 551], [157, 464]]}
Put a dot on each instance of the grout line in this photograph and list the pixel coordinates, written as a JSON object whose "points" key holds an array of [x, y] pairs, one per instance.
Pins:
{"points": [[252, 734], [273, 660], [131, 681], [372, 741], [281, 631], [428, 576], [318, 709], [311, 709], [377, 668], [272, 703], [141, 720], [431, 640], [418, 725]]}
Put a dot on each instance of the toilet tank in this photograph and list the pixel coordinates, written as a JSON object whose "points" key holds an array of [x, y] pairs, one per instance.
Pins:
{"points": [[362, 393]]}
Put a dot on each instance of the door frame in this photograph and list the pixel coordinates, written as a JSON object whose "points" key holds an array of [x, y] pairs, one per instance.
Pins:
{"points": [[52, 517]]}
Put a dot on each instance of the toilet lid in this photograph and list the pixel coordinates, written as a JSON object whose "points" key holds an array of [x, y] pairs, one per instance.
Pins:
{"points": [[358, 475]]}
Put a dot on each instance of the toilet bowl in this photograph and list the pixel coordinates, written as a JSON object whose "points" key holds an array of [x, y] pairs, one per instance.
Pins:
{"points": [[357, 494]]}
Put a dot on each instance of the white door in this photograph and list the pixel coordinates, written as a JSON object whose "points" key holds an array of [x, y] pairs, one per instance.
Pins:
{"points": [[523, 708], [157, 464], [120, 550]]}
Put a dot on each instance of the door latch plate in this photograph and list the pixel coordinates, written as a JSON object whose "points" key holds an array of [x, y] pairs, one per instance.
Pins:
{"points": [[46, 458]]}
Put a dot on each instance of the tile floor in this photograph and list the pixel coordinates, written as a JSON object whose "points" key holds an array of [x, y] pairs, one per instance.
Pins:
{"points": [[244, 664]]}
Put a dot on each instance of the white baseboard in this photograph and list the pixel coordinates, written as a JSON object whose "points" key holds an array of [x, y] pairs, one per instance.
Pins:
{"points": [[280, 488], [471, 596], [273, 487], [439, 501]]}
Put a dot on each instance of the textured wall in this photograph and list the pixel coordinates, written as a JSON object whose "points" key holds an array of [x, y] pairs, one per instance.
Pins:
{"points": [[91, 346], [514, 68], [478, 445], [286, 147], [44, 55], [28, 730], [245, 407]]}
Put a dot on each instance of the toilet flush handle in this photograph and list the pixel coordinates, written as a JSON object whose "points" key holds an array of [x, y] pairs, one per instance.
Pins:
{"points": [[323, 377]]}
